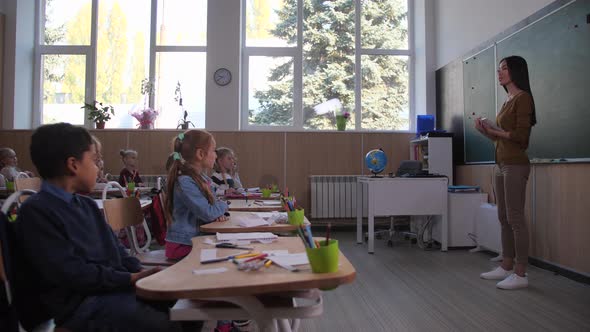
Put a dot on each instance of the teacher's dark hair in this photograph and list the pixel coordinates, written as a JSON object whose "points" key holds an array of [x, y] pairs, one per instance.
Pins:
{"points": [[519, 74]]}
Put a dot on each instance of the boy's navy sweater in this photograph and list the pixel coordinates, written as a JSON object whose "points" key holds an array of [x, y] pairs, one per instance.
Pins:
{"points": [[70, 247]]}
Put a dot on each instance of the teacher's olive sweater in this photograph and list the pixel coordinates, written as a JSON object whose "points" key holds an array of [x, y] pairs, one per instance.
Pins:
{"points": [[515, 118]]}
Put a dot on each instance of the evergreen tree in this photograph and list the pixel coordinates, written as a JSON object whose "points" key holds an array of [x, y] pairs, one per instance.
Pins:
{"points": [[328, 64]]}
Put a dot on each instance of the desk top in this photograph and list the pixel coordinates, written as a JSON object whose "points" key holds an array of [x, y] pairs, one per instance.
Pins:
{"points": [[232, 225], [253, 205], [179, 282]]}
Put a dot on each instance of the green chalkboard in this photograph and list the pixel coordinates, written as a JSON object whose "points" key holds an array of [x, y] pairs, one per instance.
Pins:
{"points": [[557, 49], [479, 100]]}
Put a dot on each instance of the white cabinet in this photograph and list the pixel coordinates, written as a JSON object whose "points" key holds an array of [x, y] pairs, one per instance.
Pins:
{"points": [[462, 211], [435, 153]]}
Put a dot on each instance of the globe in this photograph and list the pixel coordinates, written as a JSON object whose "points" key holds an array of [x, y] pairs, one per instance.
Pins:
{"points": [[376, 160]]}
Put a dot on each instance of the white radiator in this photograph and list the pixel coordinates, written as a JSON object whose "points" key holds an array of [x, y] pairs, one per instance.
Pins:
{"points": [[335, 196]]}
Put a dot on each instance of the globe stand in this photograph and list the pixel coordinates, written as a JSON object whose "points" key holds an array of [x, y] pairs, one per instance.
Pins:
{"points": [[375, 176]]}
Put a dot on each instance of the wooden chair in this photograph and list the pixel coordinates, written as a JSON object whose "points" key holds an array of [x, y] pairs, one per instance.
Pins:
{"points": [[26, 183], [12, 268], [124, 213]]}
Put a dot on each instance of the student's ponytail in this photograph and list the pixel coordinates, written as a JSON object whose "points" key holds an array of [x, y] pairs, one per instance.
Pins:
{"points": [[185, 146]]}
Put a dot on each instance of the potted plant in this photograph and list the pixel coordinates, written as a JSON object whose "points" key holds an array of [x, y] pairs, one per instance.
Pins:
{"points": [[183, 123], [99, 113], [146, 116]]}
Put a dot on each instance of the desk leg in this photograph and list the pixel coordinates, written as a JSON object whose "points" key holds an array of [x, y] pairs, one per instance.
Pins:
{"points": [[445, 222], [359, 212], [371, 221]]}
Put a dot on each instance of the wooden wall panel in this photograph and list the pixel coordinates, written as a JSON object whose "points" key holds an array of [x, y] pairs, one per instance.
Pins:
{"points": [[112, 142], [19, 141], [261, 156], [153, 148], [477, 175], [395, 146], [562, 223], [320, 154]]}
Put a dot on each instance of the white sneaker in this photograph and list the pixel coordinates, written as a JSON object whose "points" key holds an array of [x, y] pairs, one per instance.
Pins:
{"points": [[514, 281], [496, 274]]}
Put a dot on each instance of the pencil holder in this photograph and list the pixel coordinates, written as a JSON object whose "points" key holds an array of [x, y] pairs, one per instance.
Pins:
{"points": [[296, 217], [266, 193], [274, 188], [325, 258], [131, 186], [9, 186]]}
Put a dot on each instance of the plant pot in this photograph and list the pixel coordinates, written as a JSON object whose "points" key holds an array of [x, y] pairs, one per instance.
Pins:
{"points": [[147, 126], [341, 122], [100, 125], [184, 126]]}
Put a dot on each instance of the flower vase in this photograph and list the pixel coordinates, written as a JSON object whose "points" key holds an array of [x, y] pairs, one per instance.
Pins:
{"points": [[341, 122], [146, 126]]}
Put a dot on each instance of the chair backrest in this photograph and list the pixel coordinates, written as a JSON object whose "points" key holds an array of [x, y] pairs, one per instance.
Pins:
{"points": [[27, 183], [23, 183], [22, 175], [123, 212]]}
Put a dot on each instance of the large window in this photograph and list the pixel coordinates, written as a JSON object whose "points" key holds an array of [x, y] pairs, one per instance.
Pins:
{"points": [[300, 54], [103, 49]]}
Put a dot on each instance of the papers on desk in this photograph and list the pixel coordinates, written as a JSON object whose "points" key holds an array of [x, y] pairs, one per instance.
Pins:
{"points": [[262, 237], [268, 202], [290, 259], [252, 220], [253, 190]]}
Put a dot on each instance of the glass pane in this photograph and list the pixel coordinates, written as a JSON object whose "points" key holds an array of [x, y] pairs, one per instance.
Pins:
{"points": [[63, 88], [188, 69], [378, 17], [122, 58], [385, 92], [270, 91], [271, 23], [182, 23], [67, 22], [328, 63]]}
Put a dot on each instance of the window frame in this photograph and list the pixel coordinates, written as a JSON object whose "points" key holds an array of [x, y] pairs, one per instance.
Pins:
{"points": [[297, 53], [90, 51]]}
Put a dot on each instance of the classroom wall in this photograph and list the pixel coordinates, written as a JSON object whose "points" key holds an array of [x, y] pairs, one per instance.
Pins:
{"points": [[284, 158], [461, 25]]}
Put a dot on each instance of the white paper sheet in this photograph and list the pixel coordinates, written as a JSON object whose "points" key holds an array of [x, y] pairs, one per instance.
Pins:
{"points": [[252, 220], [208, 254], [210, 271], [291, 259], [264, 237]]}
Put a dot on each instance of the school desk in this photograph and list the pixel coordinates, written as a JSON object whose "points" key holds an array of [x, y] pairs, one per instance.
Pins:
{"points": [[253, 205], [145, 203], [242, 288], [232, 225], [401, 196]]}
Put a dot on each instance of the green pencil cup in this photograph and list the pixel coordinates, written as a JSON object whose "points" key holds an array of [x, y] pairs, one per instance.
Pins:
{"points": [[131, 186], [296, 217], [325, 258], [266, 193], [274, 188], [9, 186]]}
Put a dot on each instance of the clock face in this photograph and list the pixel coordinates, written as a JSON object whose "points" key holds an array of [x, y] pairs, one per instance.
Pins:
{"points": [[222, 76]]}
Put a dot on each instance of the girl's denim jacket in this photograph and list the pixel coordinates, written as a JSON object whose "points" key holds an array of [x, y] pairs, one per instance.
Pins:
{"points": [[191, 210]]}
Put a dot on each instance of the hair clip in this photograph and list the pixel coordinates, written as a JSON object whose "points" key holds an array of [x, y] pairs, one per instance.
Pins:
{"points": [[181, 136], [176, 156]]}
